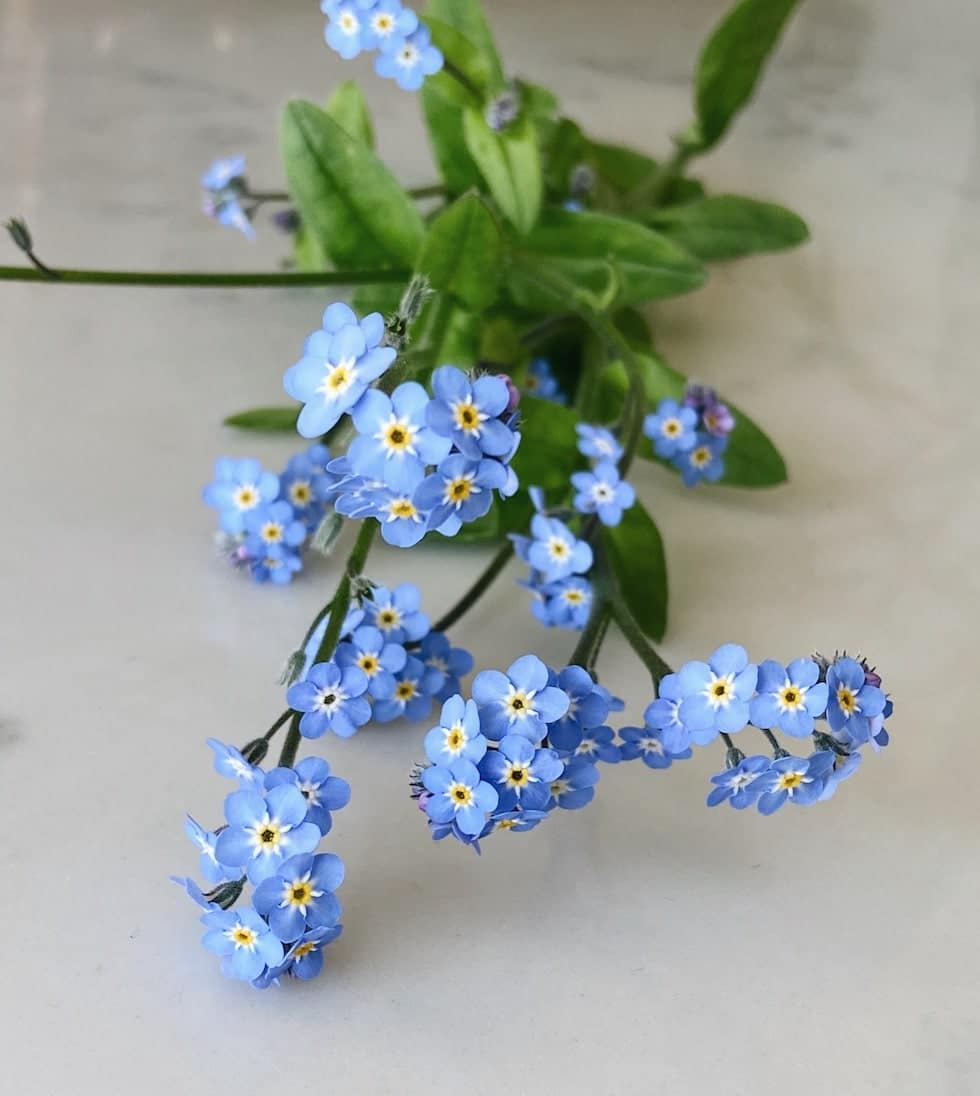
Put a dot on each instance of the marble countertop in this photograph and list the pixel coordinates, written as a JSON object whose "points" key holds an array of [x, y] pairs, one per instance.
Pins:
{"points": [[645, 945]]}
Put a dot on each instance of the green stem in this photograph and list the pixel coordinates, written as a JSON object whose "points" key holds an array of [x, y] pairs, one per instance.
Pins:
{"points": [[287, 756], [462, 79], [587, 649], [278, 723], [633, 634], [201, 279], [477, 590], [653, 189], [433, 190]]}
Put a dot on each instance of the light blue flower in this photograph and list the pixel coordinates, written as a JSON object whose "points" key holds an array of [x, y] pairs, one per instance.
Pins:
{"points": [[277, 564], [703, 461], [458, 794], [304, 959], [397, 614], [239, 488], [602, 492], [542, 383], [409, 60], [451, 662], [272, 526], [598, 744], [588, 706], [553, 550], [799, 780], [852, 702], [395, 444], [244, 941], [716, 693], [265, 830], [339, 362], [519, 701], [211, 869], [562, 604], [415, 686], [402, 523], [385, 23], [575, 788], [223, 173], [331, 699], [459, 490], [521, 772], [739, 785], [300, 895], [789, 699], [229, 762], [844, 766], [598, 443], [458, 735], [380, 660], [663, 714], [224, 185], [322, 791], [347, 30], [647, 744], [194, 892], [306, 486], [671, 428], [469, 413], [518, 820]]}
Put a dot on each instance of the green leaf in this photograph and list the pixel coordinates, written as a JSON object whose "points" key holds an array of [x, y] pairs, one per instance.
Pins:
{"points": [[549, 452], [348, 108], [621, 167], [751, 459], [376, 298], [584, 246], [349, 202], [466, 17], [272, 420], [476, 65], [731, 63], [729, 226], [510, 164], [636, 553], [565, 149], [463, 252]]}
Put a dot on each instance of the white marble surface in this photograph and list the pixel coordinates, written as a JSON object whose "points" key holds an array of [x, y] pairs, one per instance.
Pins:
{"points": [[645, 945]]}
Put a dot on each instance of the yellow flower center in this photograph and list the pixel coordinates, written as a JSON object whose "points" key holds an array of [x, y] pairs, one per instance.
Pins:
{"points": [[701, 456], [506, 824], [300, 493], [269, 836], [383, 23], [388, 619], [461, 795], [467, 416], [298, 894], [402, 508], [369, 664], [246, 497], [272, 532], [671, 427], [304, 949], [720, 691], [455, 738], [519, 703], [518, 776], [243, 936], [405, 690], [574, 597], [791, 697], [790, 780], [348, 22], [847, 700], [558, 548], [459, 489]]}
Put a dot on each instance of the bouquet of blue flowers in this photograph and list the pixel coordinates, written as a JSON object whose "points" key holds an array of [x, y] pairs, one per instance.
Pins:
{"points": [[492, 379]]}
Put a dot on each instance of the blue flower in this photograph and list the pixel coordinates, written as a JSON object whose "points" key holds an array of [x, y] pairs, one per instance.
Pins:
{"points": [[598, 745], [845, 765], [305, 484], [800, 780], [588, 706], [380, 660], [789, 698], [713, 415], [351, 621], [458, 735], [671, 428], [703, 462], [647, 743], [276, 564], [264, 830], [304, 959], [663, 714], [239, 488], [397, 614], [518, 702], [338, 364], [517, 821], [244, 941], [224, 185], [409, 60], [415, 686], [522, 773], [458, 794], [229, 762], [602, 492], [460, 490], [332, 699], [300, 895], [541, 382], [553, 550], [468, 413], [716, 693], [272, 526], [451, 662], [322, 791], [212, 871], [852, 702], [562, 604], [598, 443], [195, 892], [347, 29], [575, 788], [224, 173], [385, 23], [403, 524], [740, 785], [395, 445]]}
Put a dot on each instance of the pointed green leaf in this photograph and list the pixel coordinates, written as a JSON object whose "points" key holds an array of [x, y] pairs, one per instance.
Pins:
{"points": [[348, 108], [636, 553], [272, 420], [584, 246], [463, 252], [510, 164], [475, 64], [728, 226], [466, 17], [350, 203], [731, 63]]}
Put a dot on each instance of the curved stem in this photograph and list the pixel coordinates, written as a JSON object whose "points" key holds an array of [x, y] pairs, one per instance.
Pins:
{"points": [[290, 747], [201, 279], [590, 641], [633, 634], [278, 723], [477, 590]]}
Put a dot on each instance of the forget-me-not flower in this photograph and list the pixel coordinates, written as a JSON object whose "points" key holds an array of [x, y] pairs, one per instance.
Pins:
{"points": [[331, 698], [409, 60], [458, 794], [602, 492], [239, 487], [244, 941], [739, 786], [370, 651], [458, 735], [265, 830], [716, 693], [469, 412], [300, 895], [598, 442], [799, 780], [671, 428], [519, 701], [789, 699]]}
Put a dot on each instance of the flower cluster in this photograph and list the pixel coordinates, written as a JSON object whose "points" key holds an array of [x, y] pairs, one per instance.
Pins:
{"points": [[388, 664], [693, 434], [405, 51], [525, 745], [542, 383], [420, 464], [224, 187], [274, 823], [838, 705], [266, 519]]}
